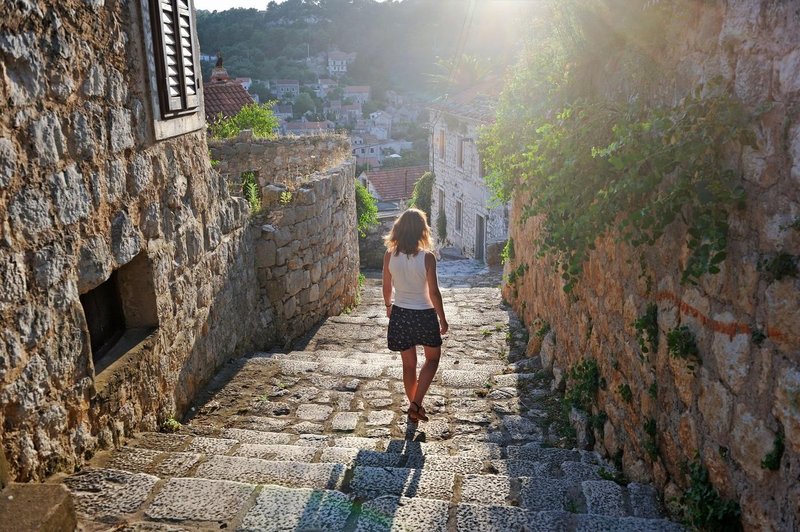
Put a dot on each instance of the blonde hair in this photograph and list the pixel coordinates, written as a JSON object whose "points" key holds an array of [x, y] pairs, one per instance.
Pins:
{"points": [[410, 233]]}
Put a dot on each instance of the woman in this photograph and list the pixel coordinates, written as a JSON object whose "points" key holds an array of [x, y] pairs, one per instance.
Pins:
{"points": [[410, 268]]}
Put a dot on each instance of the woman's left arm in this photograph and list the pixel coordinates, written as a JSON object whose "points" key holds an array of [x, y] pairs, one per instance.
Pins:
{"points": [[387, 283], [434, 292]]}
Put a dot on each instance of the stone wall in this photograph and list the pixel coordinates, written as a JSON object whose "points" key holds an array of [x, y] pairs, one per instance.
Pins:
{"points": [[731, 408], [286, 161], [89, 195], [307, 252]]}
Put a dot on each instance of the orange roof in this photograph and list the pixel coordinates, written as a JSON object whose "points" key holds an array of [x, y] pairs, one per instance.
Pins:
{"points": [[224, 98], [395, 183]]}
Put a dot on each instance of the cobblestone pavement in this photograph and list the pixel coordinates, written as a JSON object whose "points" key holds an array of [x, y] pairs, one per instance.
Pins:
{"points": [[316, 439]]}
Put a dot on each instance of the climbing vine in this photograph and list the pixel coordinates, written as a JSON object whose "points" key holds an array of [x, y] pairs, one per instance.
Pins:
{"points": [[589, 162]]}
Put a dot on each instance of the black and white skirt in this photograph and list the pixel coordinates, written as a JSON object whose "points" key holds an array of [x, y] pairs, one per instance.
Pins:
{"points": [[409, 327]]}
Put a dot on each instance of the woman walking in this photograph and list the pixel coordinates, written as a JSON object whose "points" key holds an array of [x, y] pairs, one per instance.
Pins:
{"points": [[409, 267]]}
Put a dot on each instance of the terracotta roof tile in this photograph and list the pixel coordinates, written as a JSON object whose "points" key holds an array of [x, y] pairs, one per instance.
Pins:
{"points": [[224, 98], [395, 183]]}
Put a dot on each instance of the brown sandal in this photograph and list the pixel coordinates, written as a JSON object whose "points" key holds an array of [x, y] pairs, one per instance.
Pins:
{"points": [[418, 413]]}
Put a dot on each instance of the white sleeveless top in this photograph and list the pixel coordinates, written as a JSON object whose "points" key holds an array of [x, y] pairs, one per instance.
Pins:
{"points": [[409, 281]]}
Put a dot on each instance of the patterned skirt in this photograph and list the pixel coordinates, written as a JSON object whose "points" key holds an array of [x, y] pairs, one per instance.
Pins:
{"points": [[409, 327]]}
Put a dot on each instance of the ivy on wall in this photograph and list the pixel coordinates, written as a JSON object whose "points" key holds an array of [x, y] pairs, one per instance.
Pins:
{"points": [[592, 160]]}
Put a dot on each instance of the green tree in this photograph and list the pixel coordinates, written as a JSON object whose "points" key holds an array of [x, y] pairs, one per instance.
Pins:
{"points": [[366, 209], [303, 104], [258, 117], [423, 192], [458, 73]]}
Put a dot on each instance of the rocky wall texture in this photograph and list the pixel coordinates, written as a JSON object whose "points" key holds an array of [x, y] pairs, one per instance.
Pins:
{"points": [[307, 251], [286, 161], [84, 190], [745, 390]]}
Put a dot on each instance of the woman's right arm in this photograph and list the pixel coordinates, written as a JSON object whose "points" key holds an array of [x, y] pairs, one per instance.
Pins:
{"points": [[387, 283]]}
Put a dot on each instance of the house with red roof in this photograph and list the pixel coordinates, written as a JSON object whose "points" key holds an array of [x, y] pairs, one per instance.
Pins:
{"points": [[223, 96], [392, 187], [337, 62], [357, 93], [287, 89]]}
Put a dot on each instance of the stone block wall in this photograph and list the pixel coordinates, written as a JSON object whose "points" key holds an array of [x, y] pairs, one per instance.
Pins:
{"points": [[89, 194], [286, 161], [307, 250], [85, 189], [731, 408]]}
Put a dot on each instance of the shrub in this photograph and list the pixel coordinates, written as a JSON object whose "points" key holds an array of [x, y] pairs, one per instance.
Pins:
{"points": [[625, 392], [703, 508], [681, 343], [258, 117], [772, 460], [584, 383], [366, 209], [646, 327], [251, 191], [441, 225], [423, 192]]}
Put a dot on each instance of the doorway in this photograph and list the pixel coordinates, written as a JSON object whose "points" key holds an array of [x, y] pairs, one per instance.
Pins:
{"points": [[480, 238]]}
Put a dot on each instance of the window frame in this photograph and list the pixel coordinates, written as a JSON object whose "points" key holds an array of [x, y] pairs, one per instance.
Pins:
{"points": [[459, 222], [166, 124]]}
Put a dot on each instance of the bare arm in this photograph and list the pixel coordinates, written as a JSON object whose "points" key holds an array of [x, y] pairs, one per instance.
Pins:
{"points": [[433, 290], [387, 284]]}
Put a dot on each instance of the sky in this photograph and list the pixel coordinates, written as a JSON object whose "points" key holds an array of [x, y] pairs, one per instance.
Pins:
{"points": [[222, 5]]}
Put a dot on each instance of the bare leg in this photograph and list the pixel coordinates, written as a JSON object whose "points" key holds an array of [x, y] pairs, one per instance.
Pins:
{"points": [[427, 373], [409, 357]]}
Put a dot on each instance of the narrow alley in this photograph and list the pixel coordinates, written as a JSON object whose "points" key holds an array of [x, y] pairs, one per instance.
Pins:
{"points": [[316, 439]]}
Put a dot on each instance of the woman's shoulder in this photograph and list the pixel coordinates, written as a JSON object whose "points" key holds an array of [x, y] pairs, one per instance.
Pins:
{"points": [[430, 257]]}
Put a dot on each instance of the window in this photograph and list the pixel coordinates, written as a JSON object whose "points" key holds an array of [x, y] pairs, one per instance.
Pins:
{"points": [[460, 153], [441, 199], [458, 215], [173, 67], [173, 33], [121, 312], [441, 144]]}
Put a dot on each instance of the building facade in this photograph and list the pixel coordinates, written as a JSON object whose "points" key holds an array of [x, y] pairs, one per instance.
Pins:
{"points": [[475, 225]]}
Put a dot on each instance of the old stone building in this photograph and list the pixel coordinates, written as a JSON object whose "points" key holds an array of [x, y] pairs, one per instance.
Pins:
{"points": [[130, 273], [474, 223]]}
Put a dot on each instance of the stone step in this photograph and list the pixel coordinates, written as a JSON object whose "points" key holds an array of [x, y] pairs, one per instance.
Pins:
{"points": [[463, 374], [470, 517], [279, 509], [107, 497], [373, 482], [360, 357], [397, 453], [545, 493], [258, 471]]}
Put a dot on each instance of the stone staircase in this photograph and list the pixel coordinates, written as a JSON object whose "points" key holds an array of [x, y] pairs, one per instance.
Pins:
{"points": [[315, 439]]}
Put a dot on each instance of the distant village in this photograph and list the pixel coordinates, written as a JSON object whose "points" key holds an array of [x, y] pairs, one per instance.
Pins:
{"points": [[465, 219]]}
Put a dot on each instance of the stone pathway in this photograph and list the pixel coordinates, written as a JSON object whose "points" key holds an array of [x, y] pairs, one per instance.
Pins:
{"points": [[315, 439]]}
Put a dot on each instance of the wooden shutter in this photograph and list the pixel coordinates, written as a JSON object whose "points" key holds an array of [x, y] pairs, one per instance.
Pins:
{"points": [[173, 38]]}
